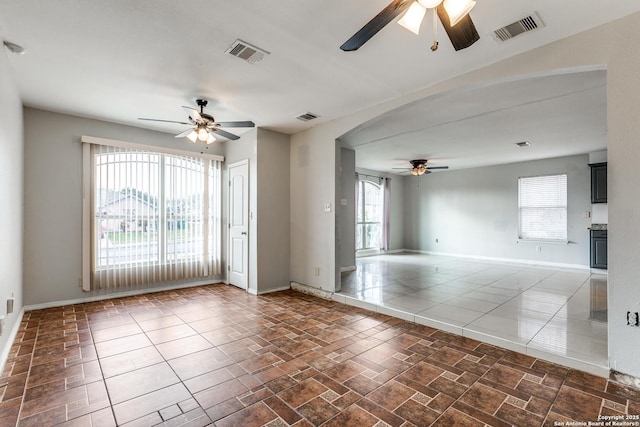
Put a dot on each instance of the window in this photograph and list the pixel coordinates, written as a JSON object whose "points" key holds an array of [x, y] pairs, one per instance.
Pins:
{"points": [[154, 216], [542, 206], [369, 216]]}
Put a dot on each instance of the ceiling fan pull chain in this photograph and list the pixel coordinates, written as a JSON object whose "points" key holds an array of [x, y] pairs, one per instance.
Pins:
{"points": [[434, 46]]}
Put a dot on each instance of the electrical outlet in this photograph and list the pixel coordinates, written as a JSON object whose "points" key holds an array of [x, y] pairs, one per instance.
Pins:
{"points": [[538, 248], [633, 319]]}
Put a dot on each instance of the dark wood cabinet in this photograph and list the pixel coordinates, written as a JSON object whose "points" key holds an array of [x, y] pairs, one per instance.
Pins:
{"points": [[599, 249], [598, 182]]}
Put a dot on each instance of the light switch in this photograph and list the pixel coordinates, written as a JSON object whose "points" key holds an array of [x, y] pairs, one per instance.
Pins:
{"points": [[327, 207]]}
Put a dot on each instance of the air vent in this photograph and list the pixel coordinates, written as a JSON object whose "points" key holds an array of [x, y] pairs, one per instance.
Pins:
{"points": [[246, 51], [307, 116], [524, 25], [523, 144]]}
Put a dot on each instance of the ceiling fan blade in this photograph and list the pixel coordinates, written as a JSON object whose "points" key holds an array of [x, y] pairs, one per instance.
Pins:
{"points": [[193, 113], [463, 34], [165, 121], [437, 167], [224, 133], [184, 134], [240, 124], [388, 14]]}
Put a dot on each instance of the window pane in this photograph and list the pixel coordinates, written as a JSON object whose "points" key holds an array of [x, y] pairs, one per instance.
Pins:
{"points": [[184, 207], [542, 205], [372, 236], [125, 201], [359, 243]]}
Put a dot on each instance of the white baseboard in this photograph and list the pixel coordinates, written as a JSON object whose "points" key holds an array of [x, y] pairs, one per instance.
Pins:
{"points": [[124, 294], [374, 252], [350, 268], [506, 260], [10, 339]]}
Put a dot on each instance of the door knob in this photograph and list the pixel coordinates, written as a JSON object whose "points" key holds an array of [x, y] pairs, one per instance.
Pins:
{"points": [[244, 233]]}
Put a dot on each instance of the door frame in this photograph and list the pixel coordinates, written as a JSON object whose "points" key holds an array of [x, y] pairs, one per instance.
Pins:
{"points": [[247, 218]]}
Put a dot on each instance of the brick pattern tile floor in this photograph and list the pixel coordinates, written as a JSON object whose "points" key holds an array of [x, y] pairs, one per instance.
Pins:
{"points": [[215, 355]]}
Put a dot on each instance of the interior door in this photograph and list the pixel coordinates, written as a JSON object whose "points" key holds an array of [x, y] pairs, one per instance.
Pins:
{"points": [[238, 260]]}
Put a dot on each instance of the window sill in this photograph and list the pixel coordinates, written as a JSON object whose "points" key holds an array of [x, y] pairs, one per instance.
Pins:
{"points": [[553, 242]]}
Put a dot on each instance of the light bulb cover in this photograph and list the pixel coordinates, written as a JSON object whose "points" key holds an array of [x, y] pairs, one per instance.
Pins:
{"points": [[458, 9], [211, 139], [193, 136], [413, 17]]}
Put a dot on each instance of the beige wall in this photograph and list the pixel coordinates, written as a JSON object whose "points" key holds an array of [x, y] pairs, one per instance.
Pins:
{"points": [[612, 46]]}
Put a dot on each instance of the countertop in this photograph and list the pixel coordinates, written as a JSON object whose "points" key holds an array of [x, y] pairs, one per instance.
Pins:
{"points": [[598, 227]]}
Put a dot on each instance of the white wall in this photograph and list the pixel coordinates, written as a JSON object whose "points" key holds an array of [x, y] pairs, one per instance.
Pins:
{"points": [[474, 212], [313, 231], [11, 214], [53, 199], [612, 46]]}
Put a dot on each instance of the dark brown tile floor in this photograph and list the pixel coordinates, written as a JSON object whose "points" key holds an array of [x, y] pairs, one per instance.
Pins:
{"points": [[215, 355]]}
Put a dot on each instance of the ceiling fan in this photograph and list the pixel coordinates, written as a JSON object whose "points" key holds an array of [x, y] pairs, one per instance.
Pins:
{"points": [[454, 15], [419, 167], [205, 126]]}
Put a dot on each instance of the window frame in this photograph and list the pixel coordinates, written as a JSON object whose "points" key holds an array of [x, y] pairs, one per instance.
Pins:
{"points": [[89, 214], [565, 209], [361, 203]]}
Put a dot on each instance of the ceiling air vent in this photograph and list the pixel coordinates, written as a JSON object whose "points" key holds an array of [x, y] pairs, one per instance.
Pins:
{"points": [[246, 51], [524, 25], [307, 116]]}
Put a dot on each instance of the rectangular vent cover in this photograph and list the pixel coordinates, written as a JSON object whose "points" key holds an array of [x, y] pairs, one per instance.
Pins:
{"points": [[524, 25], [307, 116], [246, 51]]}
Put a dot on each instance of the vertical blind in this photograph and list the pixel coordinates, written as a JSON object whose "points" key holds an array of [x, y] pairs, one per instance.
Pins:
{"points": [[542, 206], [155, 216]]}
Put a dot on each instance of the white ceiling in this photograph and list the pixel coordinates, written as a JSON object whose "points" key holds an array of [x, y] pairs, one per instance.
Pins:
{"points": [[118, 60]]}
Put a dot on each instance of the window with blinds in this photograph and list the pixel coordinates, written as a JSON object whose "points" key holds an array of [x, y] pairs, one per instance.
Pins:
{"points": [[154, 216], [542, 207]]}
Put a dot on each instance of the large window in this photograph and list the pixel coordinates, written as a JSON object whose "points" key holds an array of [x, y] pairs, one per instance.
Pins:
{"points": [[369, 216], [155, 216], [542, 206]]}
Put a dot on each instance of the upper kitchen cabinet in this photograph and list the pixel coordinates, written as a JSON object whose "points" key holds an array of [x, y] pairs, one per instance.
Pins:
{"points": [[598, 182]]}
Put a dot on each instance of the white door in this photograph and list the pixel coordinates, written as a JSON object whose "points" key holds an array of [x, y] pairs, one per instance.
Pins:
{"points": [[238, 260]]}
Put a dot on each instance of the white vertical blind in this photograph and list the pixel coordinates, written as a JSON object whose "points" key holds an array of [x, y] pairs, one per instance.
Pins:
{"points": [[156, 216], [542, 206]]}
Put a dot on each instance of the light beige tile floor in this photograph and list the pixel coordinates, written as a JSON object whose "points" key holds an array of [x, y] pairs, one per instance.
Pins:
{"points": [[558, 314]]}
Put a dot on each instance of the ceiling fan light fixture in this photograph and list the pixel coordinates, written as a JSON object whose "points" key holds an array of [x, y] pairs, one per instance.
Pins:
{"points": [[458, 9], [413, 17], [211, 139]]}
